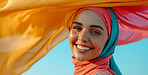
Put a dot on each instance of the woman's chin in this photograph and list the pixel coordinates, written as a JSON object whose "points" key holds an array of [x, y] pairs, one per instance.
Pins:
{"points": [[81, 58]]}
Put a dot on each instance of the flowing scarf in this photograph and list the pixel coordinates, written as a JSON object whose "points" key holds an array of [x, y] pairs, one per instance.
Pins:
{"points": [[29, 29], [93, 67], [111, 23]]}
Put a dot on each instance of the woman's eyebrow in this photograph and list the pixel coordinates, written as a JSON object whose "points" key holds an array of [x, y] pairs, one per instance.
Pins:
{"points": [[97, 26], [78, 23]]}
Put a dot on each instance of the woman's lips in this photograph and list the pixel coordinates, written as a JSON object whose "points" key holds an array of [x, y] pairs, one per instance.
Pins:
{"points": [[82, 48]]}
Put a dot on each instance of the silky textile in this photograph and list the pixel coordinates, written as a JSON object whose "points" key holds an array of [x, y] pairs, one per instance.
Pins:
{"points": [[30, 28], [98, 66], [111, 23]]}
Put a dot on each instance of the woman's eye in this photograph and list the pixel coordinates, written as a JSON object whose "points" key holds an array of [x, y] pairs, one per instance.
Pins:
{"points": [[77, 28], [95, 32]]}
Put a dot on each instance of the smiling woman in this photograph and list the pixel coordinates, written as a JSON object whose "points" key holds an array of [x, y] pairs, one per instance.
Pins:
{"points": [[92, 41], [29, 29], [88, 35]]}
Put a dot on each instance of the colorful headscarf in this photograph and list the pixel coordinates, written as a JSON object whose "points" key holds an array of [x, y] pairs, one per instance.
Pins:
{"points": [[29, 29], [111, 23]]}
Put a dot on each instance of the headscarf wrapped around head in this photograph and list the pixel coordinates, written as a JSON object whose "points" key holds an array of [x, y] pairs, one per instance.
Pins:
{"points": [[29, 35], [103, 13], [111, 23]]}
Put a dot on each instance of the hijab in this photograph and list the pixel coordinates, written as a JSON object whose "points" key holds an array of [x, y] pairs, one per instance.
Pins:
{"points": [[28, 35], [111, 23]]}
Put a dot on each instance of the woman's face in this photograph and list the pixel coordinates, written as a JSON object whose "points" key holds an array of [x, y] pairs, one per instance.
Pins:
{"points": [[88, 35]]}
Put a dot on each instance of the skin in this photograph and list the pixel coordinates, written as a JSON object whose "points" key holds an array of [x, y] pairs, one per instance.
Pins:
{"points": [[88, 30]]}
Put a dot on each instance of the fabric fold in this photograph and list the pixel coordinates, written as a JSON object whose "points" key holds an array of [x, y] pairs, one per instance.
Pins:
{"points": [[29, 29], [92, 67], [17, 5]]}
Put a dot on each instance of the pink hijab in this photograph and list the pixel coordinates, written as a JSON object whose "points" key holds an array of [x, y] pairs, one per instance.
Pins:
{"points": [[133, 27], [99, 66], [103, 13]]}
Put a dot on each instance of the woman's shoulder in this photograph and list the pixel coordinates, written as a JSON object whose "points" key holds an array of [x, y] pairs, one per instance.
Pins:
{"points": [[103, 72]]}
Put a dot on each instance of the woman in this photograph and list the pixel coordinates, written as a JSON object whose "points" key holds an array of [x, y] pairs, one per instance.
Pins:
{"points": [[28, 35], [93, 37]]}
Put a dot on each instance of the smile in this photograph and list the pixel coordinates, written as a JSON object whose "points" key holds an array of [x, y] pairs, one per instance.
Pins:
{"points": [[83, 48]]}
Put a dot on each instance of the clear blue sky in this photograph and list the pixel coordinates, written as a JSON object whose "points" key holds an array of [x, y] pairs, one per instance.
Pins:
{"points": [[132, 59]]}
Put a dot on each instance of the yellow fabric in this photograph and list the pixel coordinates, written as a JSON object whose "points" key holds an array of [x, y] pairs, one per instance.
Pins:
{"points": [[9, 5], [27, 35]]}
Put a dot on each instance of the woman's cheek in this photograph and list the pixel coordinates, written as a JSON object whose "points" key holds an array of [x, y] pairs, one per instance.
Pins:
{"points": [[98, 43], [73, 37]]}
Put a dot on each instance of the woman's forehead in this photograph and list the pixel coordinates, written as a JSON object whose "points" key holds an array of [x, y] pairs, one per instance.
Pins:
{"points": [[89, 17], [87, 14]]}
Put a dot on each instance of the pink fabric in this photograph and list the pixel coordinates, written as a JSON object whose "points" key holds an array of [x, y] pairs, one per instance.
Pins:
{"points": [[98, 66], [133, 26], [132, 20], [104, 14], [133, 23]]}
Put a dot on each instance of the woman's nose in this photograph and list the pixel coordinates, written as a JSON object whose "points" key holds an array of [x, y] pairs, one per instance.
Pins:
{"points": [[83, 36]]}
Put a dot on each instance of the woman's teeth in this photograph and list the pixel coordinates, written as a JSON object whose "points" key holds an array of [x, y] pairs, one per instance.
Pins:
{"points": [[83, 48]]}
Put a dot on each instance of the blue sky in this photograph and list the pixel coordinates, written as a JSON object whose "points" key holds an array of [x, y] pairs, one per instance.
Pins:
{"points": [[132, 59]]}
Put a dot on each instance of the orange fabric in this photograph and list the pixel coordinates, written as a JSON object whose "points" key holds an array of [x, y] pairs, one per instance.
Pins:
{"points": [[27, 36], [15, 5], [98, 66], [30, 28]]}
